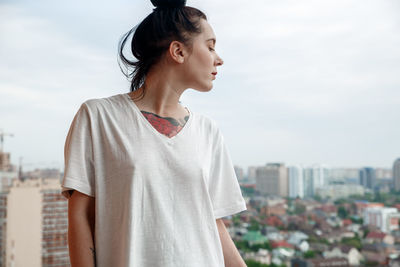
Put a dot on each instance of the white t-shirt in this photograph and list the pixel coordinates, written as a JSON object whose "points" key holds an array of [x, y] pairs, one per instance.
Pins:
{"points": [[157, 198]]}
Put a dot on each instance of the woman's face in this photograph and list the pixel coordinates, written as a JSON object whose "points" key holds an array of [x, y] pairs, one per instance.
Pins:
{"points": [[203, 61]]}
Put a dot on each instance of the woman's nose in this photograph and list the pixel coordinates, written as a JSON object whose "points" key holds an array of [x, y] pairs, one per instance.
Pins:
{"points": [[219, 61]]}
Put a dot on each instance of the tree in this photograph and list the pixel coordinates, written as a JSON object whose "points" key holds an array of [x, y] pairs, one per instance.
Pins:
{"points": [[356, 219], [253, 263], [236, 220], [254, 225], [353, 242], [265, 245], [366, 232], [299, 209], [313, 239], [309, 254], [342, 212], [242, 245], [317, 198]]}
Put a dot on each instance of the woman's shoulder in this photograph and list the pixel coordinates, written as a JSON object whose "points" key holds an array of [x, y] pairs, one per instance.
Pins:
{"points": [[206, 122], [104, 103]]}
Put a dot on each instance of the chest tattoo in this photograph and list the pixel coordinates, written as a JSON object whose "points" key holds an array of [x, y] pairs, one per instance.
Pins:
{"points": [[166, 125]]}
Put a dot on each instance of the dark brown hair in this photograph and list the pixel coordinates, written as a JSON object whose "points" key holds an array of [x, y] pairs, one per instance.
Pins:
{"points": [[169, 21]]}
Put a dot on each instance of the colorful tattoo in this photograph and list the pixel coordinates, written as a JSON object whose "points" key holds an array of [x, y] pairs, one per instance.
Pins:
{"points": [[166, 125]]}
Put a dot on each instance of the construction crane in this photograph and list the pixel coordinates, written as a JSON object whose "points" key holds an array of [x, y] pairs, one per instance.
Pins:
{"points": [[2, 134]]}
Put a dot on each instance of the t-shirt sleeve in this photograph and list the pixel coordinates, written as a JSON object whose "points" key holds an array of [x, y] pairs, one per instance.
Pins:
{"points": [[224, 188], [78, 156]]}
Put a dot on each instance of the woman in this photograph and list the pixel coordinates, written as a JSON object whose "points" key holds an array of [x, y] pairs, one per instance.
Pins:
{"points": [[147, 179]]}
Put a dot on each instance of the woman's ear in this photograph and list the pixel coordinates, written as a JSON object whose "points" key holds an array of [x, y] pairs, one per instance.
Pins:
{"points": [[177, 51]]}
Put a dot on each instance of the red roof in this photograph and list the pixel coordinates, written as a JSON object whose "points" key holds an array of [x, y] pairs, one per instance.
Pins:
{"points": [[347, 222], [274, 221], [376, 235], [328, 208], [281, 244]]}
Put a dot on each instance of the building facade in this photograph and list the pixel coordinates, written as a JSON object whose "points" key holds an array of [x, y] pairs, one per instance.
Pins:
{"points": [[396, 175], [36, 224], [384, 218], [336, 191], [367, 177], [296, 181], [272, 179], [239, 173]]}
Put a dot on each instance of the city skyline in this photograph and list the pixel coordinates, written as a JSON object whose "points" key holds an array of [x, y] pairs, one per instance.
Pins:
{"points": [[302, 83]]}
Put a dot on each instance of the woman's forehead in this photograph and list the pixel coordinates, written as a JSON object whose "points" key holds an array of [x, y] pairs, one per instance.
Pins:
{"points": [[207, 31]]}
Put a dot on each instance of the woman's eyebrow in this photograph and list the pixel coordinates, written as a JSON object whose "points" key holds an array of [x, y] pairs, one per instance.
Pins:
{"points": [[212, 39]]}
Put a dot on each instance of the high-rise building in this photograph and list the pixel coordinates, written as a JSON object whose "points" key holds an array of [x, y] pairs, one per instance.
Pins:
{"points": [[367, 177], [239, 173], [396, 174], [8, 172], [6, 179], [251, 173], [272, 179], [383, 173], [296, 183], [308, 182], [320, 175], [3, 223], [36, 224], [315, 177], [385, 218], [5, 163], [343, 174], [335, 191]]}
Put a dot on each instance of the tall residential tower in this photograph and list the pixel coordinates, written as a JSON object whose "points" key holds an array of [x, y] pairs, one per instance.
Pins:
{"points": [[396, 175]]}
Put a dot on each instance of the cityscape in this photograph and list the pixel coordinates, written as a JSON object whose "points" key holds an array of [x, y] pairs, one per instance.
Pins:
{"points": [[296, 216], [307, 99]]}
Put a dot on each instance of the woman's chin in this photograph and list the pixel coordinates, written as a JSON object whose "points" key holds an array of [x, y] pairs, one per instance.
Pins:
{"points": [[211, 85], [204, 88]]}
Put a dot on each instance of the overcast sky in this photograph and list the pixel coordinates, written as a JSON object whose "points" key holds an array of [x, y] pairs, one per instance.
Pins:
{"points": [[303, 82]]}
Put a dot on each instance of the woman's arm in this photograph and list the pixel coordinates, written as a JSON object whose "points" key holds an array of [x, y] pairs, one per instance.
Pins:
{"points": [[81, 217], [232, 256]]}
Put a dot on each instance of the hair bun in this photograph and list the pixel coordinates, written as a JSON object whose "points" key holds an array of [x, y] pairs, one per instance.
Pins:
{"points": [[168, 3]]}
